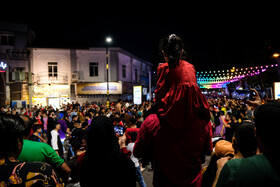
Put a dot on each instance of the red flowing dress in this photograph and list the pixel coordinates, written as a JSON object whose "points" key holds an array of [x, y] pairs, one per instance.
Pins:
{"points": [[180, 133]]}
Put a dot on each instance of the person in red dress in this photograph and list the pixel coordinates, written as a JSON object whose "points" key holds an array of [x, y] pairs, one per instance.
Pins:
{"points": [[179, 134]]}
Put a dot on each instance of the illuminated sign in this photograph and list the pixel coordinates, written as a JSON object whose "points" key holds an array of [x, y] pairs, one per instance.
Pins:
{"points": [[277, 90], [50, 90], [3, 66], [137, 95], [99, 88]]}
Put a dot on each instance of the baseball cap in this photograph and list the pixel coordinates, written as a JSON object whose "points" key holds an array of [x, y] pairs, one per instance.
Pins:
{"points": [[223, 148]]}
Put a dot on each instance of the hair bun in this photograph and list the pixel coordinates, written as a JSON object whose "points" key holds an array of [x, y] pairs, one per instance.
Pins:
{"points": [[171, 37], [172, 45]]}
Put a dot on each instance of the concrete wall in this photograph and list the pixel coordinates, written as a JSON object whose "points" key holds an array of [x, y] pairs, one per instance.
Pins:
{"points": [[84, 57], [126, 61], [41, 57]]}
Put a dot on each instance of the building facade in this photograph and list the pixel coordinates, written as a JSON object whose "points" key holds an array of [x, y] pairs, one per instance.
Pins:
{"points": [[44, 76], [14, 63], [66, 75]]}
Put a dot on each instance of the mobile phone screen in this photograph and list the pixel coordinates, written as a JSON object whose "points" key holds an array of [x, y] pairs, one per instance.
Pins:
{"points": [[118, 130]]}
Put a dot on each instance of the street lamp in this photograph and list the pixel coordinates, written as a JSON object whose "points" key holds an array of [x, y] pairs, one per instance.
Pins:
{"points": [[108, 41], [276, 55]]}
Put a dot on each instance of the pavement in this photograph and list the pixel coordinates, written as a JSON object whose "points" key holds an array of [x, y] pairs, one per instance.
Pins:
{"points": [[148, 176], [148, 173]]}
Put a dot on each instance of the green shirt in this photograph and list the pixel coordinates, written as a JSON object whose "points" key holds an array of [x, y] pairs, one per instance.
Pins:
{"points": [[39, 151], [251, 171]]}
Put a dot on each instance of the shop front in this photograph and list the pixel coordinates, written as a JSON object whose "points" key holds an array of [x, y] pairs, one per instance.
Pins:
{"points": [[97, 92], [51, 95]]}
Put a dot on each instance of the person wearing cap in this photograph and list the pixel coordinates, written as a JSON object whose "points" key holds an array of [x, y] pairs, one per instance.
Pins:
{"points": [[262, 169], [243, 145], [223, 148]]}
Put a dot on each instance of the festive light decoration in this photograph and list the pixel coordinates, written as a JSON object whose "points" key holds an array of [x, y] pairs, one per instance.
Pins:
{"points": [[221, 78]]}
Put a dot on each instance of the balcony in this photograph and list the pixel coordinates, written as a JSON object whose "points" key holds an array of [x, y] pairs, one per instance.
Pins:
{"points": [[44, 78]]}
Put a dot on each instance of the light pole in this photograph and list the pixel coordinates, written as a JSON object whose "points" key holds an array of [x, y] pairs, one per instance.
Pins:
{"points": [[108, 41], [276, 56]]}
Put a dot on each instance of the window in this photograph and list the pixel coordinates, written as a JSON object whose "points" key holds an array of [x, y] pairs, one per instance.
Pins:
{"points": [[93, 69], [136, 75], [4, 40], [7, 39], [124, 71], [52, 69], [11, 40]]}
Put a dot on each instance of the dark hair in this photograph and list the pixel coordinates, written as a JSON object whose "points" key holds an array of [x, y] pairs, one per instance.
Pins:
{"points": [[267, 117], [84, 124], [11, 130], [246, 141], [231, 116], [108, 161], [28, 122], [35, 127], [133, 121], [133, 136], [102, 134], [172, 46], [75, 143], [50, 112]]}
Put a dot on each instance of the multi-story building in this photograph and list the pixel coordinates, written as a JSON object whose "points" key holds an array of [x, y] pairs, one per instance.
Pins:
{"points": [[57, 75], [13, 62], [66, 75]]}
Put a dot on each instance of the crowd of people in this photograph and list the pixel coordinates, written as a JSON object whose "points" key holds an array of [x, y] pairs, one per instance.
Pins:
{"points": [[91, 145], [232, 126], [62, 137]]}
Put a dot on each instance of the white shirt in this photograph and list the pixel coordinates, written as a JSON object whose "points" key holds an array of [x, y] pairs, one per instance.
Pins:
{"points": [[130, 148], [54, 134]]}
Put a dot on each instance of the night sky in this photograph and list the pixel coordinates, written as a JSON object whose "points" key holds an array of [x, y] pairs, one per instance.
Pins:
{"points": [[213, 39]]}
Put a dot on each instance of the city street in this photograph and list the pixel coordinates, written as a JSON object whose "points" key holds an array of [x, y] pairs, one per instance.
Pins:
{"points": [[148, 173], [148, 177], [101, 92]]}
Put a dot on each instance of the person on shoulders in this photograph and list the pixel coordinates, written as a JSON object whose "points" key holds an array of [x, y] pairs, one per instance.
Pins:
{"points": [[178, 134]]}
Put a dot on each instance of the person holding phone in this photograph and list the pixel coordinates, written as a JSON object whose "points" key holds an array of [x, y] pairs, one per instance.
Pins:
{"points": [[255, 99], [119, 130], [104, 159]]}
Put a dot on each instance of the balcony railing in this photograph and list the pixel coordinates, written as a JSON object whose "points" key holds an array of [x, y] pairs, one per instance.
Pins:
{"points": [[44, 78]]}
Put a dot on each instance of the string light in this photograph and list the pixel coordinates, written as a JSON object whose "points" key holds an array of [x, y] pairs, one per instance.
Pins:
{"points": [[207, 81]]}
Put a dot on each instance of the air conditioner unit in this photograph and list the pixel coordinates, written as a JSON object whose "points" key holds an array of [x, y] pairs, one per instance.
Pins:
{"points": [[18, 76], [75, 76]]}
